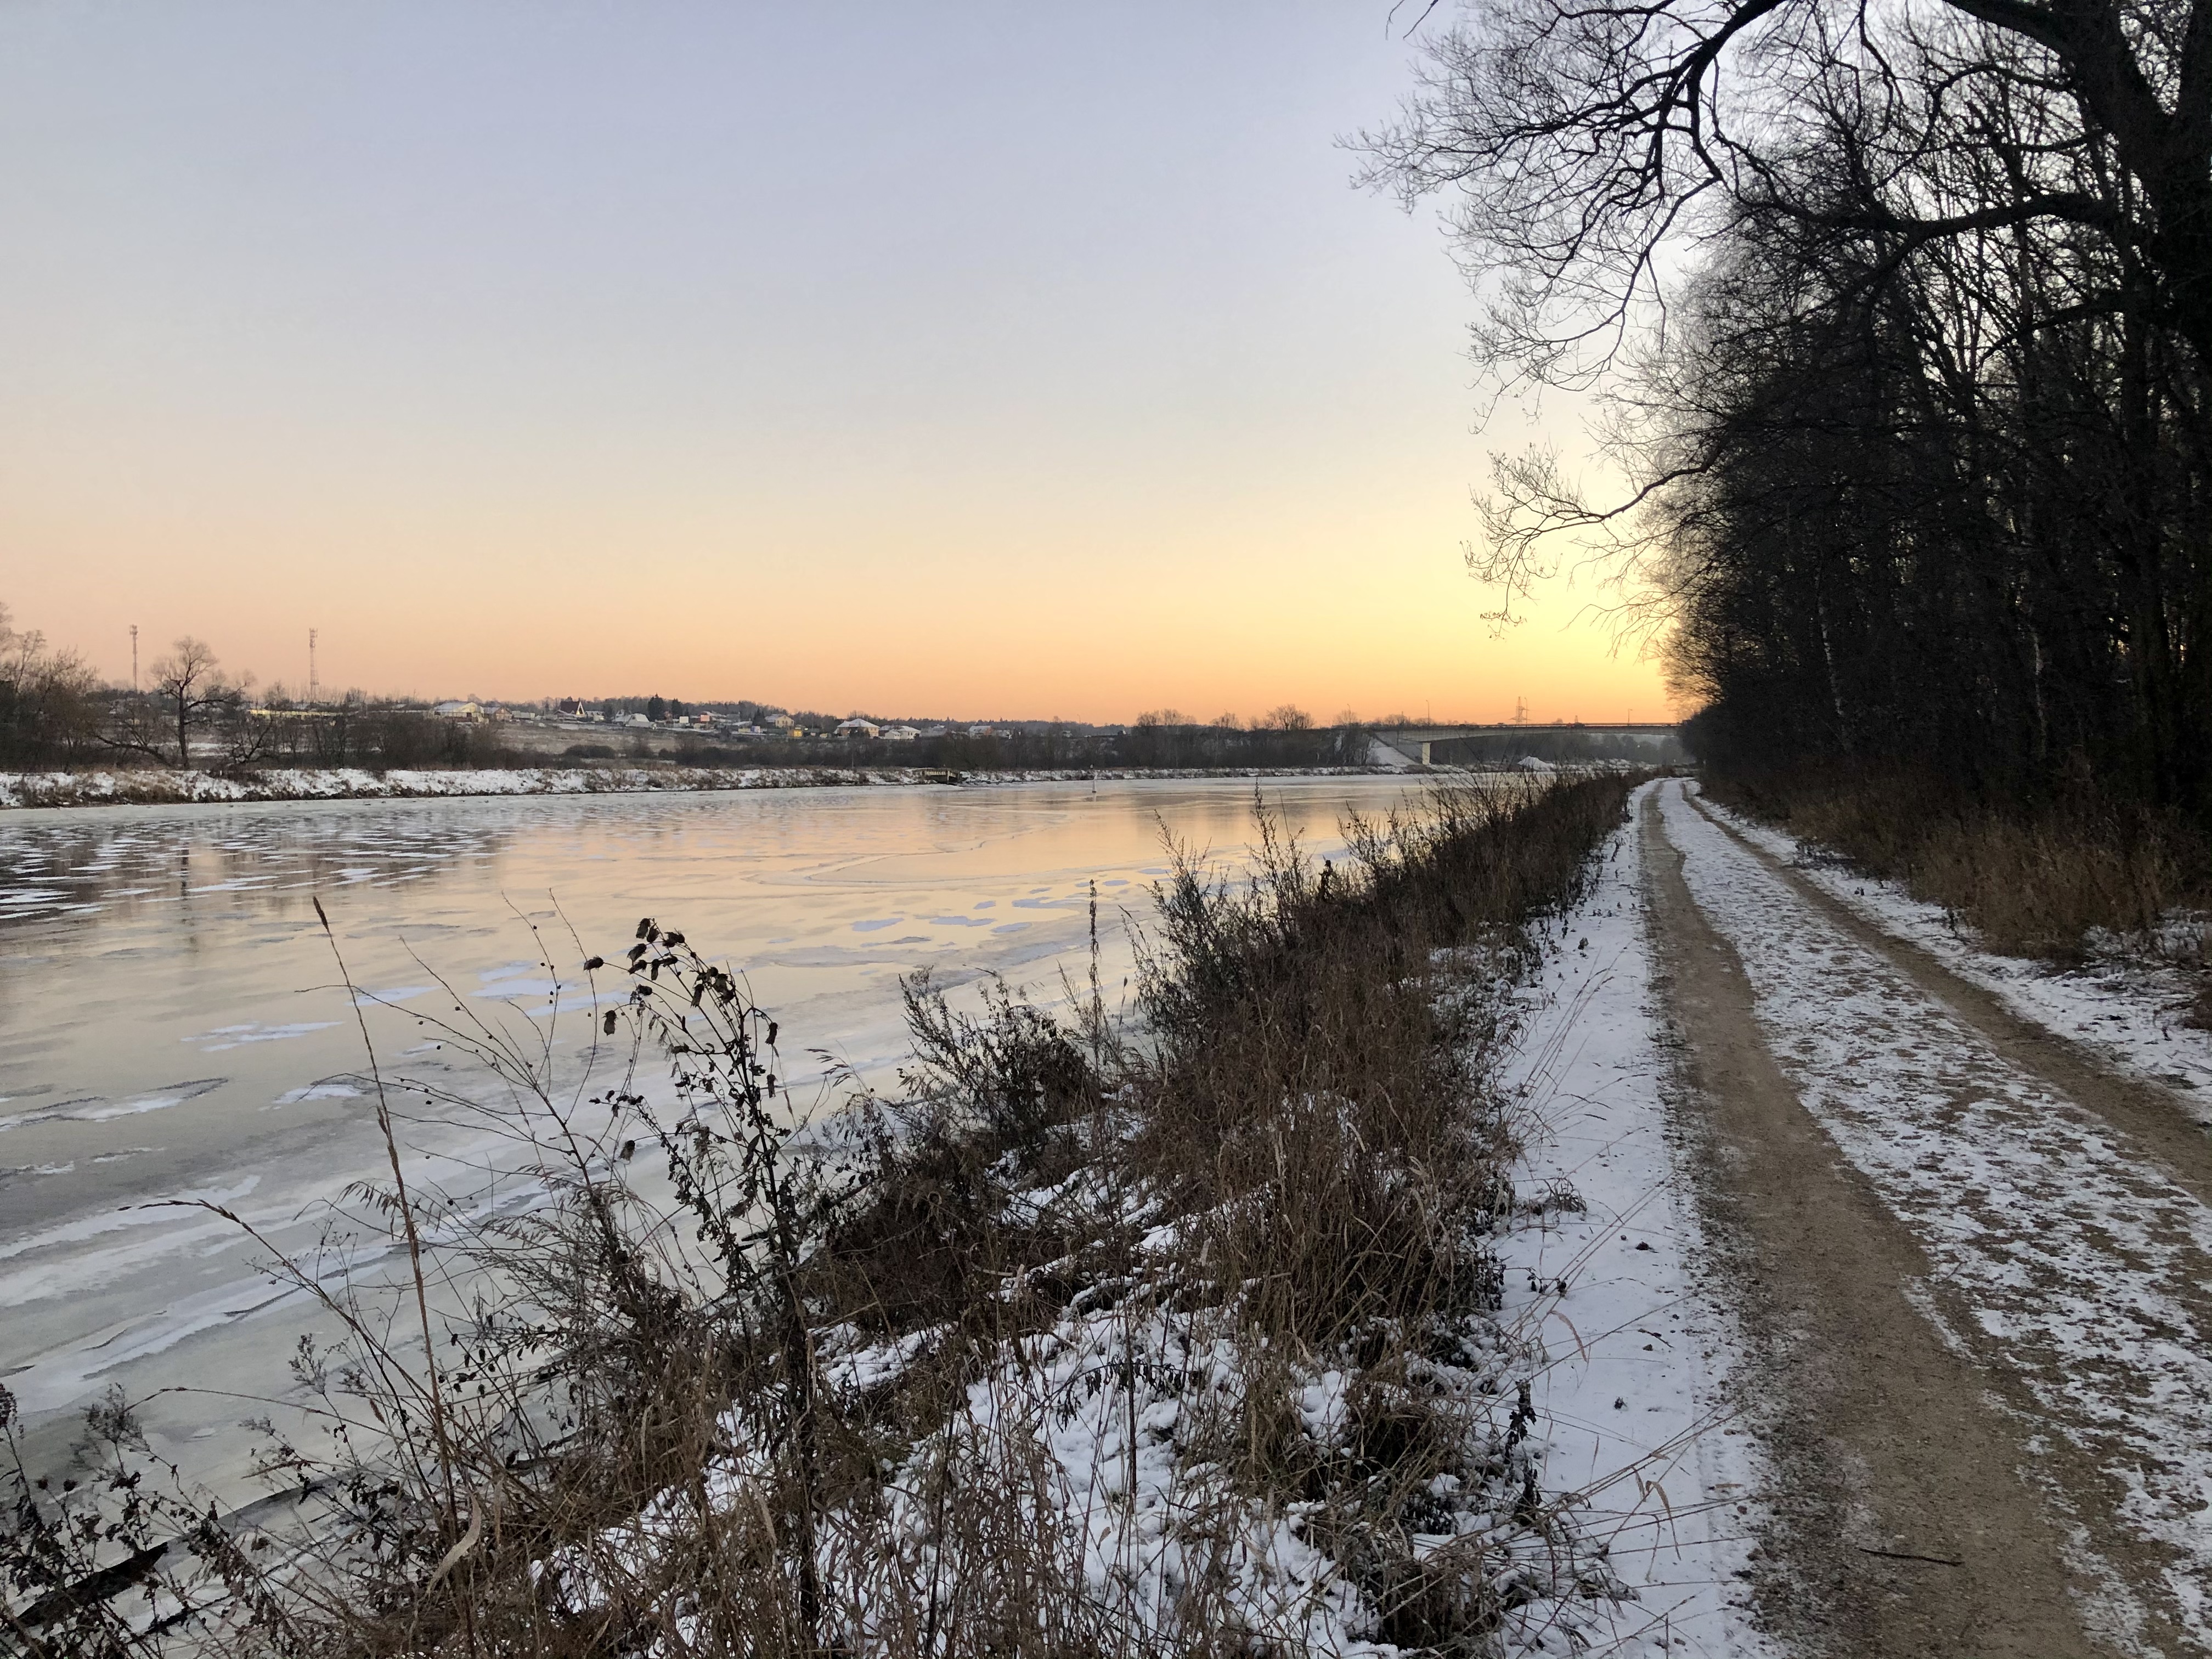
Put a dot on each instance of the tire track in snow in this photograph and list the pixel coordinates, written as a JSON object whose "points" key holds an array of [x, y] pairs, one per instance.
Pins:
{"points": [[2086, 1272]]}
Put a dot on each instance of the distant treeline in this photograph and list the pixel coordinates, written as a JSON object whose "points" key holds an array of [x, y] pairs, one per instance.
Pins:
{"points": [[55, 714], [1925, 451], [1019, 748]]}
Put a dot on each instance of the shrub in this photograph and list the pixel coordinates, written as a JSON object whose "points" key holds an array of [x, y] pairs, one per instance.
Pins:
{"points": [[805, 1389]]}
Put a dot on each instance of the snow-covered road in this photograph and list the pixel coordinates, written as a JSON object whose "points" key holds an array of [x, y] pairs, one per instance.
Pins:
{"points": [[2066, 1260]]}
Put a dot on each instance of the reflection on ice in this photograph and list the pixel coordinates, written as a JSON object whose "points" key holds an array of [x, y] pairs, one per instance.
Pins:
{"points": [[233, 1035], [127, 933]]}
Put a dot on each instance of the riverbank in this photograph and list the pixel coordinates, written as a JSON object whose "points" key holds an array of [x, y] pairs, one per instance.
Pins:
{"points": [[151, 787], [1123, 1348], [1479, 1253], [189, 930]]}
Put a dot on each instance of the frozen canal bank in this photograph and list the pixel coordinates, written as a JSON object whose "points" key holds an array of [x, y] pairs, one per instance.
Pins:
{"points": [[171, 1026]]}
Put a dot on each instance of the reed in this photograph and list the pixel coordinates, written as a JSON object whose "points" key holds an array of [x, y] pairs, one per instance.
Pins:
{"points": [[1063, 1348]]}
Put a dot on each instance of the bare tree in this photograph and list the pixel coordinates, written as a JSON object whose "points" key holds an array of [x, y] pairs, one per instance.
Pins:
{"points": [[188, 689], [1901, 320], [45, 699], [1589, 143]]}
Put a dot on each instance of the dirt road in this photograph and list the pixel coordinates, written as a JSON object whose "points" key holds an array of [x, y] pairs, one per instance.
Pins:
{"points": [[1975, 1270]]}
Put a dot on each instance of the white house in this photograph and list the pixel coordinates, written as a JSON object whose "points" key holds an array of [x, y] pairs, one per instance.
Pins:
{"points": [[857, 727], [899, 734], [460, 710]]}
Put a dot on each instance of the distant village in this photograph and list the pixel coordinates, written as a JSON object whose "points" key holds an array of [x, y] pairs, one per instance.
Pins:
{"points": [[183, 710], [744, 721]]}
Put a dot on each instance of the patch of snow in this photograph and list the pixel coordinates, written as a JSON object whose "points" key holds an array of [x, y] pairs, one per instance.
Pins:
{"points": [[233, 1036], [317, 1091], [1635, 1392], [2126, 1009], [877, 1364]]}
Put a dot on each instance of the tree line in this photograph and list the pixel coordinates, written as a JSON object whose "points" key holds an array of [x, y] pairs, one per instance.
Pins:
{"points": [[1151, 743], [56, 711], [1900, 317]]}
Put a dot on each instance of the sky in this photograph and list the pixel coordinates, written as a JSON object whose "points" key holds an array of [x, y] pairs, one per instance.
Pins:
{"points": [[977, 358]]}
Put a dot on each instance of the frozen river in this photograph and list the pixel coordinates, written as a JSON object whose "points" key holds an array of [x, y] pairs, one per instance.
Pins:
{"points": [[171, 1026]]}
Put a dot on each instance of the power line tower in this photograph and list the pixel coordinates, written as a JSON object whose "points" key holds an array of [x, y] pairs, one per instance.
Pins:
{"points": [[312, 687], [134, 656], [1520, 711]]}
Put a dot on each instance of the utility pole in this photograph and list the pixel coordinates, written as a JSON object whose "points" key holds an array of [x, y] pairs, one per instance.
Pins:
{"points": [[134, 656], [311, 666]]}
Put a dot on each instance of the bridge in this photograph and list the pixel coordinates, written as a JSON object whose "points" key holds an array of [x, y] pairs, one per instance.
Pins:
{"points": [[1417, 743]]}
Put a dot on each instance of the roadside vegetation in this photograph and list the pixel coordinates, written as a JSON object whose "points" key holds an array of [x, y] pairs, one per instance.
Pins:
{"points": [[1175, 1334], [2060, 880]]}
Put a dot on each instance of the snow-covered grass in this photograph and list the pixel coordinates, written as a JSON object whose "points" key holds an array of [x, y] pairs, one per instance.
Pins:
{"points": [[151, 787], [1635, 1392], [1203, 1343], [2130, 1006]]}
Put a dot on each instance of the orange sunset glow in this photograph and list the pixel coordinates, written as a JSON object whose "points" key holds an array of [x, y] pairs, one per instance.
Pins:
{"points": [[530, 355]]}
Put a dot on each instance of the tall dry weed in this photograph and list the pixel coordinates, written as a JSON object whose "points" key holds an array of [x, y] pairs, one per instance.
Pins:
{"points": [[2048, 881], [1093, 1341]]}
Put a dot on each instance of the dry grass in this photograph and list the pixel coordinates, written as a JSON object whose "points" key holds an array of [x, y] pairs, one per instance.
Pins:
{"points": [[2045, 884], [807, 1391]]}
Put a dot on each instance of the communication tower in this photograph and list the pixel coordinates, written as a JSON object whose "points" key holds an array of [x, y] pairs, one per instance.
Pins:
{"points": [[311, 686], [134, 656]]}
